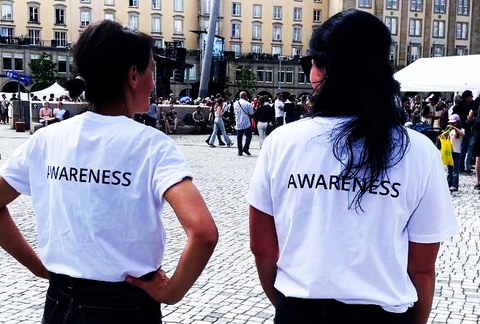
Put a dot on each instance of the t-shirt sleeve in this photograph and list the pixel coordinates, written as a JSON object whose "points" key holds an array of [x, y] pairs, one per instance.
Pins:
{"points": [[434, 218], [259, 195], [171, 168], [16, 171]]}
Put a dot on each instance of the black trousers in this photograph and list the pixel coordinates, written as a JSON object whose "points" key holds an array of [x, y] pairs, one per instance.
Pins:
{"points": [[291, 310]]}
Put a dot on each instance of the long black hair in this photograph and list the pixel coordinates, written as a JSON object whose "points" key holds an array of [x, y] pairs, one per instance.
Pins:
{"points": [[353, 46]]}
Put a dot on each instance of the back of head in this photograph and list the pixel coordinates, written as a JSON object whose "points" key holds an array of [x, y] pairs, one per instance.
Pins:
{"points": [[103, 55], [354, 48]]}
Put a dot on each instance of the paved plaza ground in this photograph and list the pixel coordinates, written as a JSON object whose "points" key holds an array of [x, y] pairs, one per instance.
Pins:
{"points": [[229, 291]]}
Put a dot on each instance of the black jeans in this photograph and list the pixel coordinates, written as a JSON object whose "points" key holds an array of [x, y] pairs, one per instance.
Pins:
{"points": [[291, 310], [81, 301], [248, 138]]}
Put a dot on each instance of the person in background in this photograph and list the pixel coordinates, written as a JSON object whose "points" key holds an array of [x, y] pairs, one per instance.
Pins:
{"points": [[279, 110], [59, 112], [462, 108], [265, 117], [218, 123], [199, 121], [172, 118], [150, 117], [99, 182], [338, 231], [46, 114], [290, 109], [455, 134], [243, 110]]}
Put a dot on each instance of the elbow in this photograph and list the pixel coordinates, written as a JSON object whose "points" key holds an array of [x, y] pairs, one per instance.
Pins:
{"points": [[207, 238]]}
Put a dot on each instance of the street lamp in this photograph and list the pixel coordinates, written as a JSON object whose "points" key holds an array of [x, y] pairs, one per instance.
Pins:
{"points": [[279, 81]]}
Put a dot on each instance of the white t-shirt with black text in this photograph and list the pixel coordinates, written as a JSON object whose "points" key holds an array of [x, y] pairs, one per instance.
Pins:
{"points": [[97, 185]]}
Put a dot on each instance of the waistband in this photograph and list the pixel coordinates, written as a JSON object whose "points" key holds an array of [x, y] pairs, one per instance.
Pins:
{"points": [[78, 282]]}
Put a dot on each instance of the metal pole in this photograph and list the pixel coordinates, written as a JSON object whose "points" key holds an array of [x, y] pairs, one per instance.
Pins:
{"points": [[279, 73], [207, 58]]}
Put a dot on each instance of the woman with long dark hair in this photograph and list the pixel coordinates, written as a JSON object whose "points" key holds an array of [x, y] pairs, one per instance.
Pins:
{"points": [[347, 207]]}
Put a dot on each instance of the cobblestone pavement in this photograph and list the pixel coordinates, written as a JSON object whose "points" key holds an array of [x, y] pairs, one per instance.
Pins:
{"points": [[229, 291]]}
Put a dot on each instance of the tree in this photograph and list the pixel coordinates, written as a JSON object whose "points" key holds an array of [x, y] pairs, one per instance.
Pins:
{"points": [[43, 72], [246, 79]]}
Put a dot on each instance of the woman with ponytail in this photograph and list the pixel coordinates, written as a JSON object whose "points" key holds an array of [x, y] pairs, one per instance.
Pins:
{"points": [[347, 207], [99, 182]]}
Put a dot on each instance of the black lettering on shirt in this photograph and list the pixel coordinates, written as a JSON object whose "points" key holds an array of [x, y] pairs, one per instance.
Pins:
{"points": [[321, 182], [334, 181], [394, 188], [373, 187], [291, 181], [345, 184], [85, 175], [106, 176], [127, 179], [306, 179], [384, 184]]}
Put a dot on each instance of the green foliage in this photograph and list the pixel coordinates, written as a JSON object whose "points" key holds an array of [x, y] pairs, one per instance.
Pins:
{"points": [[247, 80], [43, 71]]}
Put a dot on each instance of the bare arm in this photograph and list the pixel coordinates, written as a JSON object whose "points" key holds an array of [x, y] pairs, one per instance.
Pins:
{"points": [[264, 246], [11, 240], [202, 236], [421, 269]]}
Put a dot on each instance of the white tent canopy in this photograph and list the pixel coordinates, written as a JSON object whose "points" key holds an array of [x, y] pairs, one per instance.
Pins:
{"points": [[55, 88], [449, 73]]}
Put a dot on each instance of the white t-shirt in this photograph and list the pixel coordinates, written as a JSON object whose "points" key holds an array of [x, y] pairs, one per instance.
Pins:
{"points": [[58, 113], [330, 251], [279, 112], [97, 185], [456, 141]]}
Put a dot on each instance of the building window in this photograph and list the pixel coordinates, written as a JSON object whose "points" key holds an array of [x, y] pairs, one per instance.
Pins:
{"points": [[34, 36], [7, 61], [296, 51], [7, 11], [461, 50], [133, 3], [415, 28], [438, 50], [237, 49], [414, 53], [235, 30], [277, 33], [156, 5], [256, 31], [236, 9], [392, 57], [440, 6], [364, 3], [297, 14], [206, 6], [158, 43], [85, 17], [84, 1], [178, 26], [301, 77], [392, 5], [463, 7], [60, 39], [392, 23], [317, 16], [260, 74], [62, 64], [277, 12], [6, 32], [178, 5], [109, 2], [438, 29], [297, 34], [133, 21], [156, 24], [110, 15], [59, 16], [289, 75], [317, 1], [34, 58], [33, 14], [257, 48], [257, 11], [276, 49], [462, 30], [416, 5]]}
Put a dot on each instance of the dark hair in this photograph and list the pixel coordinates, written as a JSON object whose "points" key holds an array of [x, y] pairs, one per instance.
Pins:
{"points": [[103, 55], [353, 46], [466, 94]]}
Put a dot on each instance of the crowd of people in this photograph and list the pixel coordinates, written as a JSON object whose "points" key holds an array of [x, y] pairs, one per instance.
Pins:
{"points": [[459, 120]]}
